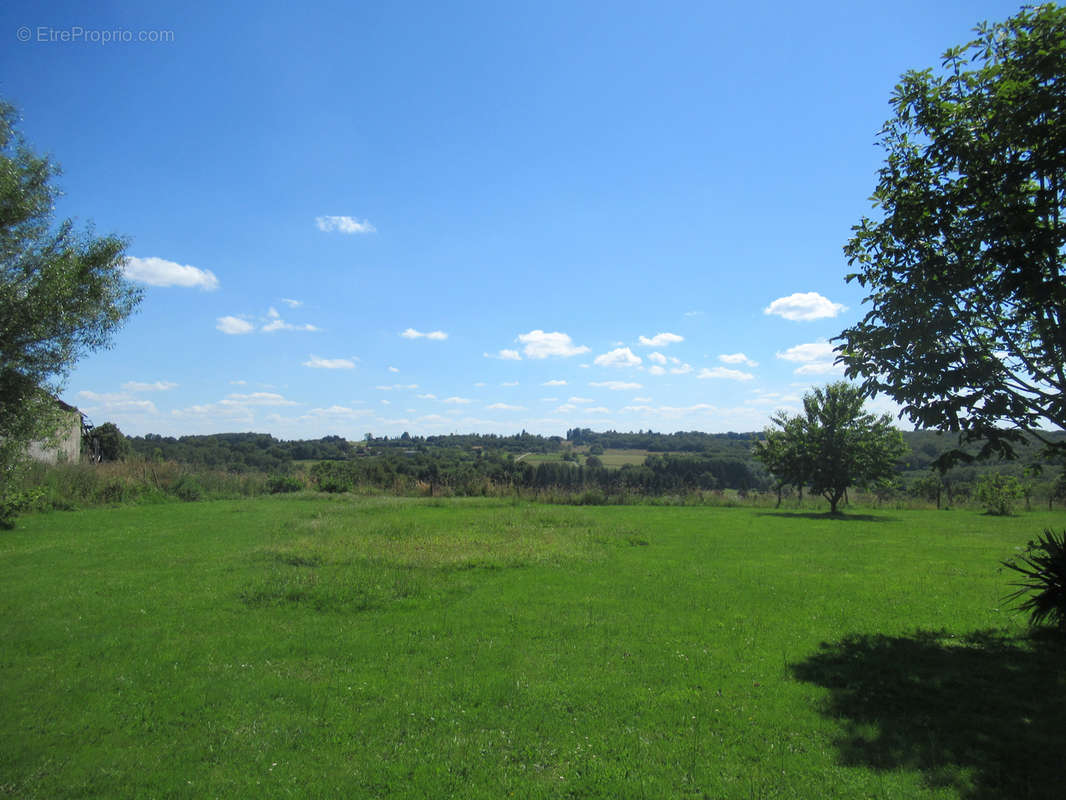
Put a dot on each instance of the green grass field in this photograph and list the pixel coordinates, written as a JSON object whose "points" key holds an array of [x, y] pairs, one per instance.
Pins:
{"points": [[303, 646]]}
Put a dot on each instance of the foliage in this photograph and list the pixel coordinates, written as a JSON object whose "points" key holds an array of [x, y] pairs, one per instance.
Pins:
{"points": [[999, 492], [283, 484], [1043, 565], [965, 269], [832, 445], [62, 295], [112, 443]]}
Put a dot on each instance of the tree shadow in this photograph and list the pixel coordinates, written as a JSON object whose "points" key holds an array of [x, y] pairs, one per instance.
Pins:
{"points": [[825, 515], [984, 714]]}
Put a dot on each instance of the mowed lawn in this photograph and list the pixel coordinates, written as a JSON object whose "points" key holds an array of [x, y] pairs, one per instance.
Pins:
{"points": [[375, 647]]}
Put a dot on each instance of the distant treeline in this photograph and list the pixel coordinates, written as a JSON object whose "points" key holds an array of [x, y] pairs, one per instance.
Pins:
{"points": [[491, 472], [685, 460]]}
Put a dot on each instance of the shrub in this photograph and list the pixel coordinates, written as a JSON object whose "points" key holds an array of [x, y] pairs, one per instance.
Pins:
{"points": [[998, 492], [282, 484], [189, 489], [1043, 563]]}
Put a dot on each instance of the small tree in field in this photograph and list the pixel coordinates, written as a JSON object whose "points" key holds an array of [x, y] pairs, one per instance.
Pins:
{"points": [[998, 493], [832, 445]]}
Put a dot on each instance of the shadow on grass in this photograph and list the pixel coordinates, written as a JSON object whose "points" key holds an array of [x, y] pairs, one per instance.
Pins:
{"points": [[983, 714], [839, 517]]}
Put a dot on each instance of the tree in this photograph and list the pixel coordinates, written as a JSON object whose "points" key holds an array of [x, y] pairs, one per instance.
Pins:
{"points": [[967, 325], [112, 442], [62, 295], [832, 445]]}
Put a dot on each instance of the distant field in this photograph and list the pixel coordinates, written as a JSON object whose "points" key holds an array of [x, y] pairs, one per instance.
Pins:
{"points": [[302, 646], [613, 459], [619, 458]]}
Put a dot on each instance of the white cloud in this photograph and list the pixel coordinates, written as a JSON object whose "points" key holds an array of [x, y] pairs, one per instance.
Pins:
{"points": [[116, 402], [158, 386], [565, 407], [397, 386], [554, 382], [291, 303], [234, 325], [737, 358], [329, 363], [344, 225], [426, 396], [411, 333], [657, 370], [580, 400], [457, 400], [619, 357], [257, 399], [282, 325], [506, 407], [505, 355], [393, 369], [509, 383], [681, 369], [820, 368], [539, 344], [657, 357], [273, 313], [641, 399], [804, 306], [160, 272], [617, 386], [811, 351], [725, 373], [661, 339]]}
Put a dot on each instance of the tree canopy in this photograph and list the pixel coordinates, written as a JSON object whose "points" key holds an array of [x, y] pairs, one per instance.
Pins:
{"points": [[967, 320], [62, 294], [834, 444]]}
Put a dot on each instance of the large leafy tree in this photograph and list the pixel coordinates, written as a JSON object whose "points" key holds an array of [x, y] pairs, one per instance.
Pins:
{"points": [[62, 295], [834, 444], [964, 266]]}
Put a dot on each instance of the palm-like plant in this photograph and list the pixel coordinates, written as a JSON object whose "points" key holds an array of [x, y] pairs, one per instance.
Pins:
{"points": [[1044, 587]]}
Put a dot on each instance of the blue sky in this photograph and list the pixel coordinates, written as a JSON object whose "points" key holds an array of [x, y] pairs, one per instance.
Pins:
{"points": [[459, 216]]}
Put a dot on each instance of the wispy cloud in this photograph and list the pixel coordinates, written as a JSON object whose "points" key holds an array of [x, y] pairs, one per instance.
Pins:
{"points": [[540, 344], [617, 386], [457, 400], [257, 399], [804, 306], [329, 363], [505, 407], [160, 272], [725, 373], [554, 382], [411, 333], [157, 386], [397, 386], [291, 303], [348, 225], [282, 325]]}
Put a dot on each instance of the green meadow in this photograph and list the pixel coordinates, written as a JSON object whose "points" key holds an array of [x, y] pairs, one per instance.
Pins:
{"points": [[308, 646]]}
